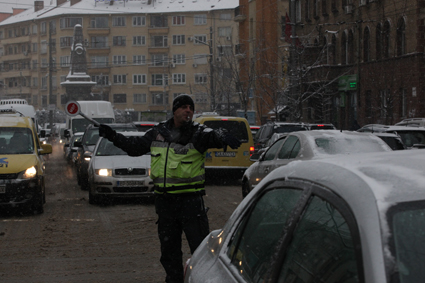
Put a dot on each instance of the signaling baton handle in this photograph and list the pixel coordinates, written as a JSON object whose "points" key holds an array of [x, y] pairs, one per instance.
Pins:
{"points": [[96, 123]]}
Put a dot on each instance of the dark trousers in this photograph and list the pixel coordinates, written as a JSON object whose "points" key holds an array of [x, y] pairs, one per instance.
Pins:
{"points": [[177, 214]]}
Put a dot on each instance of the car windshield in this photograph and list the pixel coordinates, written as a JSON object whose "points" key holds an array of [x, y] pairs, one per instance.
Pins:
{"points": [[407, 223], [16, 141], [91, 136], [107, 148], [238, 129], [289, 128], [345, 145]]}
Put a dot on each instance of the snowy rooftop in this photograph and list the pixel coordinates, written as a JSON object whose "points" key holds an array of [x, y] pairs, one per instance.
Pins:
{"points": [[94, 7]]}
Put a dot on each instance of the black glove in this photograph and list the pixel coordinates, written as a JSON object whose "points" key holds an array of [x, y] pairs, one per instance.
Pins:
{"points": [[107, 132], [230, 140]]}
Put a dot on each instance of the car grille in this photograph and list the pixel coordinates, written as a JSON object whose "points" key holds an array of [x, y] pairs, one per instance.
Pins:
{"points": [[130, 189], [126, 172], [9, 176]]}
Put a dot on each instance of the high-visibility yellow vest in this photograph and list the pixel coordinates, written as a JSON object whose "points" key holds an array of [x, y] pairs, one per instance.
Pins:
{"points": [[177, 168]]}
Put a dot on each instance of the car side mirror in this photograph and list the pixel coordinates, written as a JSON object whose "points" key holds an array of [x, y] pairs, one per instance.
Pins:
{"points": [[66, 145], [66, 133], [255, 156], [43, 133]]}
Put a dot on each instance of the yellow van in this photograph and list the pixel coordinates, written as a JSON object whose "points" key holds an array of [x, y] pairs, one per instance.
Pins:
{"points": [[21, 162], [233, 162]]}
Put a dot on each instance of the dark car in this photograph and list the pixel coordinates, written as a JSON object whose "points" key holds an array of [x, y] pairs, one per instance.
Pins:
{"points": [[86, 146], [267, 130]]}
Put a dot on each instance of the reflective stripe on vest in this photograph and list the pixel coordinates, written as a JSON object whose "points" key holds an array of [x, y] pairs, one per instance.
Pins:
{"points": [[183, 167]]}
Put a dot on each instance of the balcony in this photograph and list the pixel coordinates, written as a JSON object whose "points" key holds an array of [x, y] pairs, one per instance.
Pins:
{"points": [[14, 40], [13, 57], [158, 88], [158, 49], [158, 30], [96, 69], [239, 16], [98, 50], [16, 73], [98, 31]]}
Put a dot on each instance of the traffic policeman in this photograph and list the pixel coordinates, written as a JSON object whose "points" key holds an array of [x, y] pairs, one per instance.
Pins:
{"points": [[177, 148]]}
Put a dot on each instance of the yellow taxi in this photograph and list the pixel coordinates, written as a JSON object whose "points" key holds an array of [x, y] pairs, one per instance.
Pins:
{"points": [[233, 162], [21, 163]]}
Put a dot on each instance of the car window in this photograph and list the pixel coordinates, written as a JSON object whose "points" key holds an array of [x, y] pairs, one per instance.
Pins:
{"points": [[107, 148], [322, 248], [237, 128], [255, 239], [295, 150], [290, 128], [16, 140], [412, 137], [268, 132], [285, 151], [91, 136], [271, 152]]}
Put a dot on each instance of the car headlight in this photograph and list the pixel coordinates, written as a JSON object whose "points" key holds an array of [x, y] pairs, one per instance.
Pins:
{"points": [[28, 174], [44, 142], [104, 172], [87, 158]]}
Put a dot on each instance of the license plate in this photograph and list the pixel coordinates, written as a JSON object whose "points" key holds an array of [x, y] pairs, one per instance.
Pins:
{"points": [[2, 189], [130, 184], [225, 154]]}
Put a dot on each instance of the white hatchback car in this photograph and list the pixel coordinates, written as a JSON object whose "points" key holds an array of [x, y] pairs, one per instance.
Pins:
{"points": [[357, 218], [112, 173]]}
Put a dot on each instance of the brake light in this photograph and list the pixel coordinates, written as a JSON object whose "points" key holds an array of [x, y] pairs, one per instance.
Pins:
{"points": [[320, 125], [224, 119], [251, 150]]}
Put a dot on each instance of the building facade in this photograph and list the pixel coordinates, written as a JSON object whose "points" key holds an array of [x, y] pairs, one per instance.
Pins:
{"points": [[141, 54]]}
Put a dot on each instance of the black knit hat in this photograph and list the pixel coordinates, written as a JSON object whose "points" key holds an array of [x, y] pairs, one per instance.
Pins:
{"points": [[182, 99]]}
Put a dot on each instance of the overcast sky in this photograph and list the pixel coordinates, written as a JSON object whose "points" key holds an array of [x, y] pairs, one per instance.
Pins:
{"points": [[7, 5]]}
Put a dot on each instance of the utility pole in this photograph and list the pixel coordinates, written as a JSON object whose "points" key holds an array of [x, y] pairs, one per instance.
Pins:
{"points": [[50, 77], [210, 45]]}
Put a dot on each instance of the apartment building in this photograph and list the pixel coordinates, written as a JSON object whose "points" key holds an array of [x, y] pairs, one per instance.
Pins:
{"points": [[349, 59], [140, 53]]}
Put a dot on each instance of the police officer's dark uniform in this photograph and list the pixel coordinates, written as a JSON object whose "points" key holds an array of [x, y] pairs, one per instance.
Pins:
{"points": [[177, 169]]}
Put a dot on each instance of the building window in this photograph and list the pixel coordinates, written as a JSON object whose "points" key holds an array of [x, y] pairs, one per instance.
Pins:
{"points": [[201, 78], [139, 40], [378, 42], [120, 79], [34, 64], [159, 60], [200, 19], [200, 39], [118, 21], [179, 78], [139, 98], [119, 60], [99, 61], [34, 48], [34, 29], [139, 59], [62, 78], [403, 103], [120, 98], [43, 28], [224, 50], [65, 61], [66, 41], [159, 98], [44, 82], [178, 20], [44, 63], [159, 41], [225, 31], [179, 59], [366, 45], [43, 47], [99, 42], [139, 21], [139, 79], [178, 39], [70, 22], [350, 48], [386, 40], [343, 49], [102, 80], [118, 40], [99, 22], [35, 82], [52, 26], [159, 21], [401, 38], [225, 16], [159, 79]]}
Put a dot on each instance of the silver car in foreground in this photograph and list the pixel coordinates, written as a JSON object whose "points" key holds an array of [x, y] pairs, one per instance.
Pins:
{"points": [[357, 218], [112, 173], [307, 145]]}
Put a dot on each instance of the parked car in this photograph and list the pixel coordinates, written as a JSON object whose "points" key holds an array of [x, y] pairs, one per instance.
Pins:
{"points": [[356, 218], [412, 122], [143, 126], [411, 136], [254, 129], [114, 174], [268, 129], [321, 126], [87, 144], [308, 145], [70, 148], [393, 140]]}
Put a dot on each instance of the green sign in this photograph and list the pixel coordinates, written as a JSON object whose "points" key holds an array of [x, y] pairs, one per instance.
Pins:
{"points": [[347, 83]]}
